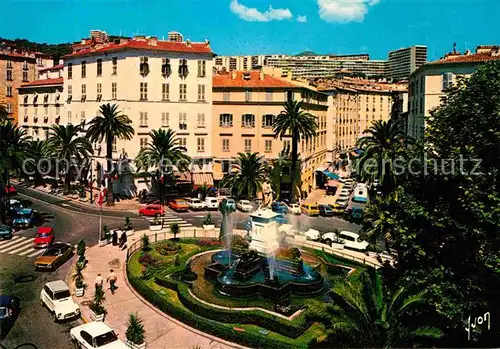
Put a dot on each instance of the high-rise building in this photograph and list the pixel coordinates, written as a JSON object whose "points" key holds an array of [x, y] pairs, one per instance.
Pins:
{"points": [[175, 36], [405, 61], [428, 84], [99, 35]]}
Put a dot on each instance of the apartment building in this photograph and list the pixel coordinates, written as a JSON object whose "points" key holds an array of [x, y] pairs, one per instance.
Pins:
{"points": [[157, 84], [245, 105], [230, 63], [41, 103], [16, 68], [405, 61], [428, 83]]}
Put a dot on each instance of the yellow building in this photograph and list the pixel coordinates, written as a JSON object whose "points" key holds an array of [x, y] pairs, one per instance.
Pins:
{"points": [[245, 105]]}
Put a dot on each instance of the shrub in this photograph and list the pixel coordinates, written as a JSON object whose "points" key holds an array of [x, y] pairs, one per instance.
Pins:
{"points": [[207, 220], [167, 247], [148, 260], [135, 330], [80, 249], [78, 277], [175, 229], [146, 245], [97, 304], [208, 243], [177, 261]]}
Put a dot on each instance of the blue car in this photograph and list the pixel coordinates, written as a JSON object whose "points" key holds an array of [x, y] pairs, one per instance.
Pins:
{"points": [[279, 207], [5, 231], [24, 218], [281, 219]]}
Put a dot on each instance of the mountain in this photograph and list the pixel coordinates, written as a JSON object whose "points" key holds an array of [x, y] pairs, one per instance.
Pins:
{"points": [[54, 50], [308, 53]]}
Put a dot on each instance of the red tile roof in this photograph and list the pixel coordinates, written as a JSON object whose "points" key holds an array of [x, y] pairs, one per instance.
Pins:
{"points": [[55, 67], [56, 81], [226, 80], [16, 55], [171, 46], [473, 58]]}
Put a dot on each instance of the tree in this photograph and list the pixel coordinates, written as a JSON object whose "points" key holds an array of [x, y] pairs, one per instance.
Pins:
{"points": [[175, 228], [294, 122], [163, 154], [65, 143], [110, 126], [4, 116], [367, 315], [382, 148], [34, 163], [377, 220], [247, 175], [447, 221], [13, 153], [280, 173]]}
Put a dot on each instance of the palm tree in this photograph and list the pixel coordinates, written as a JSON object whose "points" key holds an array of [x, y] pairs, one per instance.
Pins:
{"points": [[292, 121], [4, 116], [37, 152], [369, 316], [378, 221], [110, 126], [13, 153], [247, 175], [384, 143], [162, 154], [65, 143]]}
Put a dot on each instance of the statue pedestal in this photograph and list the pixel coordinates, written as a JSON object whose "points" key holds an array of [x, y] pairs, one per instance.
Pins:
{"points": [[264, 232]]}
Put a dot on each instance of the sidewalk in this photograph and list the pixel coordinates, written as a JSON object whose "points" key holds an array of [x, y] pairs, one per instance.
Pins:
{"points": [[162, 331]]}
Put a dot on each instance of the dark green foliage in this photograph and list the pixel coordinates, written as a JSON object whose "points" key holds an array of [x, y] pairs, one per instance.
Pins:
{"points": [[97, 304], [135, 329], [247, 175], [54, 50], [146, 244]]}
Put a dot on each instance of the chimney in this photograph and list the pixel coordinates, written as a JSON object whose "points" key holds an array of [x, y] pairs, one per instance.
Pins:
{"points": [[261, 75], [188, 43], [140, 38], [207, 42], [153, 41], [467, 52], [233, 75]]}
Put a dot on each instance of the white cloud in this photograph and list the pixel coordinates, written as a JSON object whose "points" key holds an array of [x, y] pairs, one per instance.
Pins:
{"points": [[252, 14], [301, 19], [344, 11]]}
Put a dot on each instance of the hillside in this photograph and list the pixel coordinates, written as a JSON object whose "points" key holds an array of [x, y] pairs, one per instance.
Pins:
{"points": [[55, 50]]}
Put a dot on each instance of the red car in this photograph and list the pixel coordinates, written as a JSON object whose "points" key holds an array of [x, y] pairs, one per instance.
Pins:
{"points": [[10, 189], [44, 237], [151, 210]]}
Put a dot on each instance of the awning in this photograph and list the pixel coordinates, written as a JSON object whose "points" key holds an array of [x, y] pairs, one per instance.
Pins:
{"points": [[331, 175], [322, 168], [182, 176], [332, 183], [203, 178], [218, 176]]}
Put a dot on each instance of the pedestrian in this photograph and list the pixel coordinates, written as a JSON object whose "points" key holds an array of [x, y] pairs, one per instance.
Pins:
{"points": [[98, 281], [115, 238], [124, 240], [112, 281]]}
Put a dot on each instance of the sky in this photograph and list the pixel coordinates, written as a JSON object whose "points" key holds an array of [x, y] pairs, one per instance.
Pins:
{"points": [[245, 27]]}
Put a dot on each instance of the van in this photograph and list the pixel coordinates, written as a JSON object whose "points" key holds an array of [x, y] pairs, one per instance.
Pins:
{"points": [[211, 203], [310, 209]]}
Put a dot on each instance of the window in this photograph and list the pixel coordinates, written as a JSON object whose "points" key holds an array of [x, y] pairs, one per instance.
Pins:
{"points": [[200, 145], [288, 95], [268, 146], [248, 145], [165, 92], [182, 92], [226, 120], [225, 144], [165, 119], [143, 119], [269, 96], [9, 91], [25, 76], [99, 67], [226, 96], [113, 145], [226, 166], [82, 117], [248, 120], [143, 142], [25, 65], [25, 112], [201, 120], [36, 112], [84, 69], [144, 91], [70, 93], [70, 71], [114, 61], [9, 63], [182, 142], [58, 109], [8, 74], [183, 68], [113, 90], [447, 80], [69, 116], [201, 92], [144, 66], [287, 146], [248, 96], [9, 108], [99, 92], [267, 120], [183, 121], [84, 92], [166, 69], [202, 69]]}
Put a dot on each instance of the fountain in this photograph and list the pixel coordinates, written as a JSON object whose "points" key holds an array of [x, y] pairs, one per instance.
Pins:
{"points": [[258, 270], [226, 229]]}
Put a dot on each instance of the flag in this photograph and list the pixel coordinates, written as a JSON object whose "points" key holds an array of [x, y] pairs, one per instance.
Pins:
{"points": [[102, 195]]}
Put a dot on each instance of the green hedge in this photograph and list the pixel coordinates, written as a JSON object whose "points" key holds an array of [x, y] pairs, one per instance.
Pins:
{"points": [[210, 326], [291, 329]]}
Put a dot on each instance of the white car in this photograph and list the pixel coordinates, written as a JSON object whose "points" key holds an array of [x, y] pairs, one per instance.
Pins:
{"points": [[211, 203], [312, 234], [329, 238], [294, 209], [195, 204], [245, 206], [343, 197], [56, 297], [96, 335], [351, 241]]}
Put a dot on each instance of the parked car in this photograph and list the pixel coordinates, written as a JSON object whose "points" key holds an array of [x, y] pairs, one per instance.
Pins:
{"points": [[56, 255], [44, 237], [294, 209], [279, 207], [343, 196], [310, 209], [149, 199], [211, 203], [10, 189], [96, 335], [312, 234], [230, 202], [329, 238], [351, 241], [152, 210], [24, 218], [9, 310], [5, 231], [55, 295], [245, 206], [195, 204], [281, 219], [325, 211], [331, 190], [179, 205]]}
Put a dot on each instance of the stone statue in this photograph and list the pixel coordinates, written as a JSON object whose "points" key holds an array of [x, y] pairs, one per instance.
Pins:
{"points": [[267, 195]]}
